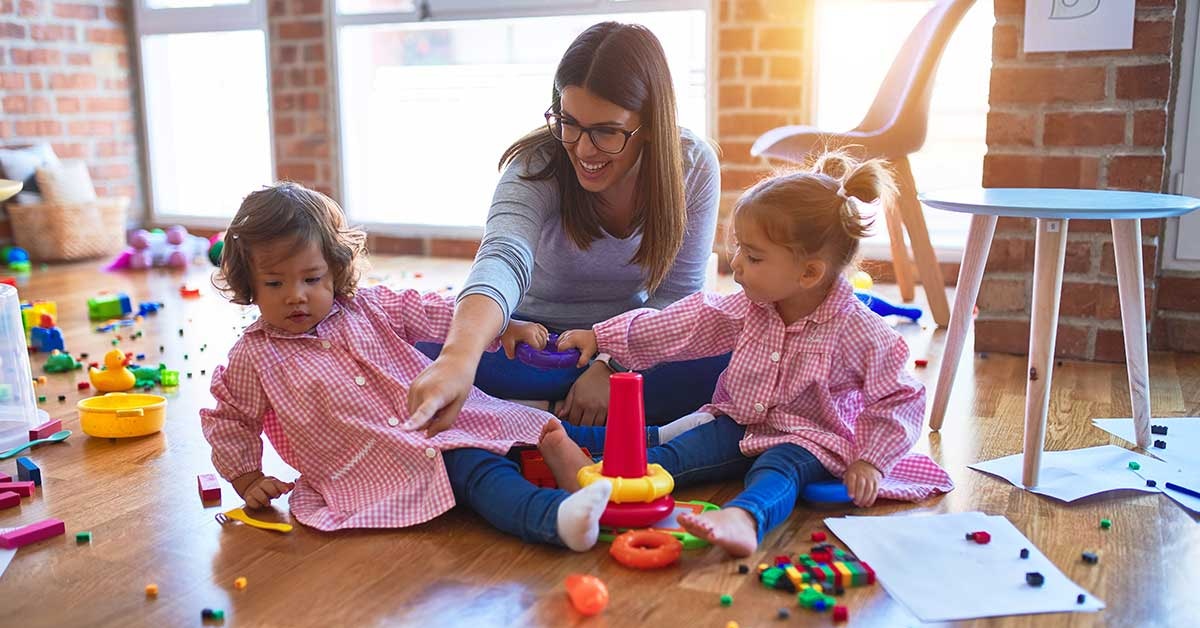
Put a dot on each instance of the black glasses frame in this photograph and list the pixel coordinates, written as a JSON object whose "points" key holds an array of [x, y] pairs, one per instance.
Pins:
{"points": [[551, 116]]}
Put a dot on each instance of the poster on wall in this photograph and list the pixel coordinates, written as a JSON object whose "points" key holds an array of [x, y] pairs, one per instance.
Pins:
{"points": [[1062, 25]]}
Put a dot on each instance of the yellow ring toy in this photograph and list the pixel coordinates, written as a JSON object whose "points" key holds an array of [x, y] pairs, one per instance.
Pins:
{"points": [[656, 483]]}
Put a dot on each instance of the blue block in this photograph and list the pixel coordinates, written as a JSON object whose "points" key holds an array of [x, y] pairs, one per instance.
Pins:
{"points": [[28, 472], [47, 340]]}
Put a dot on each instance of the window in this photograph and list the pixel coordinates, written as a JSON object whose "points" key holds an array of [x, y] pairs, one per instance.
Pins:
{"points": [[206, 105], [405, 86], [848, 76]]}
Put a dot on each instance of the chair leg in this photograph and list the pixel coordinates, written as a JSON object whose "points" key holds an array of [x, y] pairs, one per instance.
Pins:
{"points": [[1050, 251], [1127, 248], [900, 262], [918, 235], [970, 275]]}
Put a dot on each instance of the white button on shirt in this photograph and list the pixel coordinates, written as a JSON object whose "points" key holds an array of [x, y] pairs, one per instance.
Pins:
{"points": [[430, 452], [775, 356], [325, 344], [393, 421], [360, 380], [758, 407]]}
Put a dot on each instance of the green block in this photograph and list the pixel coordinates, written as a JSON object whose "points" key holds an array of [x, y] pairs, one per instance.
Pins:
{"points": [[83, 537], [726, 600], [839, 554], [1133, 464], [771, 576], [169, 378], [41, 398], [1105, 523]]}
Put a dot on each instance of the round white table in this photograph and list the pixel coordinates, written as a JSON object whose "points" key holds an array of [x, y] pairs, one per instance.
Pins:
{"points": [[1053, 208]]}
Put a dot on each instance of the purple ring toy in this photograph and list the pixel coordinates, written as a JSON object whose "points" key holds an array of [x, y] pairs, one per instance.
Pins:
{"points": [[548, 358]]}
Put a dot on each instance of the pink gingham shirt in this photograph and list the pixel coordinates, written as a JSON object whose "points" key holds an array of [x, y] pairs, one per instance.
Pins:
{"points": [[833, 382], [332, 403]]}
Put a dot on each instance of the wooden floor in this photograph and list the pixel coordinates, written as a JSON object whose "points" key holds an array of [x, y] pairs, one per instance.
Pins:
{"points": [[138, 498]]}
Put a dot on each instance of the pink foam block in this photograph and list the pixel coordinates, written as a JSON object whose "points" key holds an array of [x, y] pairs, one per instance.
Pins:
{"points": [[24, 489], [45, 429], [32, 533], [210, 487], [4, 477], [9, 499]]}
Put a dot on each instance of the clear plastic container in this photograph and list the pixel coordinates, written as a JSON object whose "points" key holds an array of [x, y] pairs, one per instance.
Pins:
{"points": [[18, 402]]}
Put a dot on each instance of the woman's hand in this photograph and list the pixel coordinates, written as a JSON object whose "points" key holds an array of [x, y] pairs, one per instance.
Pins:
{"points": [[587, 402], [437, 395], [862, 482], [582, 339], [532, 334], [258, 490]]}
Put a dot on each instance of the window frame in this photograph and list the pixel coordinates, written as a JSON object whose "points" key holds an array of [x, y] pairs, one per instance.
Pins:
{"points": [[249, 15], [461, 10]]}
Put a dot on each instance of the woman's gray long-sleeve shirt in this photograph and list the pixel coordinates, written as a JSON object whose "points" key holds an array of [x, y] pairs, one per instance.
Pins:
{"points": [[528, 264]]}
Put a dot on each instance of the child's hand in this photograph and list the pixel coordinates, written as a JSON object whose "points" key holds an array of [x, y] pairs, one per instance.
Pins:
{"points": [[862, 482], [532, 334], [582, 339], [258, 490]]}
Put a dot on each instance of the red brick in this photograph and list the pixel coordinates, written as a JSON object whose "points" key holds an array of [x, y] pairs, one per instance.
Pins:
{"points": [[76, 11], [1178, 333], [1042, 85], [29, 8], [1010, 255], [735, 152], [1110, 345], [111, 171], [1179, 293], [1003, 295], [1012, 224], [91, 127], [9, 30], [79, 58], [288, 54], [107, 105], [70, 150], [308, 7], [1089, 300], [1144, 82], [1080, 225], [304, 174], [114, 149], [1150, 127], [1079, 256], [15, 104], [314, 52], [733, 39], [781, 38], [301, 30], [115, 14], [47, 32], [1006, 41], [1108, 260], [38, 128], [1039, 171], [749, 11], [786, 68], [73, 81], [753, 66], [39, 104], [36, 56], [726, 68], [1084, 129], [387, 245], [731, 96], [1007, 336], [113, 36], [1136, 172], [462, 249], [1153, 38], [1071, 342], [749, 124], [1010, 128], [776, 96], [740, 179], [1009, 8]]}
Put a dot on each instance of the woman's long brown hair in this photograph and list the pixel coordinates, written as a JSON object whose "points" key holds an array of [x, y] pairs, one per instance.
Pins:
{"points": [[623, 64]]}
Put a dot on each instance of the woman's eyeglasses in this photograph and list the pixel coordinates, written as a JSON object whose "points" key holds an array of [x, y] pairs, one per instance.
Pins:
{"points": [[606, 139]]}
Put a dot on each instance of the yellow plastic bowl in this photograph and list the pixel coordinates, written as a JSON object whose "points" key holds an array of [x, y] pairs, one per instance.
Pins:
{"points": [[122, 415]]}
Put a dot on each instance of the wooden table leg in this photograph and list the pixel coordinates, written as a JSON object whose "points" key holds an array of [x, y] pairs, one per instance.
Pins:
{"points": [[970, 275], [1127, 246], [1050, 251]]}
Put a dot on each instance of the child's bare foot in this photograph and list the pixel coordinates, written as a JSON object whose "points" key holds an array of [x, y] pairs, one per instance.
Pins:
{"points": [[562, 455], [731, 529]]}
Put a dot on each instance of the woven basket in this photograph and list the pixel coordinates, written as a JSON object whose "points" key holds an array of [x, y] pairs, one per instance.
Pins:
{"points": [[69, 232]]}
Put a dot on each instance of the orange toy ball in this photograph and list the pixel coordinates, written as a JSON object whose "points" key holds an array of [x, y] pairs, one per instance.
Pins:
{"points": [[588, 594]]}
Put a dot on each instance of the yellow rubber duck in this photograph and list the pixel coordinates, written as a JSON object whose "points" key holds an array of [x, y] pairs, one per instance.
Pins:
{"points": [[114, 377]]}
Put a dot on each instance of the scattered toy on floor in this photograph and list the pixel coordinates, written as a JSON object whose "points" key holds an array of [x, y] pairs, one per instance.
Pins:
{"points": [[115, 377], [588, 594]]}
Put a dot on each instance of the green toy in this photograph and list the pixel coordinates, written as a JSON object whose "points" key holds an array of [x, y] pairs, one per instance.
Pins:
{"points": [[60, 362], [146, 376], [169, 379]]}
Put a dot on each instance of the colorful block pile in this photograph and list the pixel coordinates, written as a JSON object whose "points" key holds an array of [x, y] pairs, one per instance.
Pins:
{"points": [[826, 569]]}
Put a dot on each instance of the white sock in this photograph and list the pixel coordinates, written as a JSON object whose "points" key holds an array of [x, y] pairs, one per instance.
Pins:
{"points": [[683, 424], [579, 516]]}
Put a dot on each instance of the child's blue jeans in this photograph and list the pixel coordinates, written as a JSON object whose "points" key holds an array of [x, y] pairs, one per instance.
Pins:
{"points": [[493, 486]]}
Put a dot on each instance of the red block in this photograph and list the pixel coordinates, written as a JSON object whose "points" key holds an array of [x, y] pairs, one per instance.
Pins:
{"points": [[24, 489], [83, 386], [981, 537], [9, 499], [870, 572], [210, 487], [840, 613], [45, 429], [4, 477], [32, 533], [922, 363], [819, 537]]}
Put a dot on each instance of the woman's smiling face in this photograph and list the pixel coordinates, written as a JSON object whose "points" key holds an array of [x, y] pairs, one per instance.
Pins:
{"points": [[597, 170]]}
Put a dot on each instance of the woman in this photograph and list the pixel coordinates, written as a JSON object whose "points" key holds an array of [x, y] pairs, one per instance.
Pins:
{"points": [[609, 207]]}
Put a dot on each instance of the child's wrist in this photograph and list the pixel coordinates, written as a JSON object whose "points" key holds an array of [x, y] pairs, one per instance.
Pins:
{"points": [[243, 482]]}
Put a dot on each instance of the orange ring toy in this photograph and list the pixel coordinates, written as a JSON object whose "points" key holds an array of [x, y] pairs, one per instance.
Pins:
{"points": [[646, 549]]}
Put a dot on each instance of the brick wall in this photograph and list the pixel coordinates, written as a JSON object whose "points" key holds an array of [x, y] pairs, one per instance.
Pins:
{"points": [[1074, 120], [65, 78], [302, 94]]}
